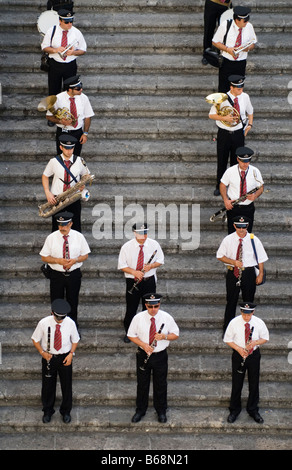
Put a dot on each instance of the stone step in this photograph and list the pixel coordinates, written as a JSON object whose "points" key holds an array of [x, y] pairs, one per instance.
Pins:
{"points": [[155, 22], [121, 365], [178, 291], [111, 314], [123, 393], [142, 150], [97, 63], [175, 128]]}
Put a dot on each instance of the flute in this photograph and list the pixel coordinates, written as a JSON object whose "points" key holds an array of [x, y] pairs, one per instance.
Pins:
{"points": [[153, 344], [138, 280], [48, 374], [240, 370]]}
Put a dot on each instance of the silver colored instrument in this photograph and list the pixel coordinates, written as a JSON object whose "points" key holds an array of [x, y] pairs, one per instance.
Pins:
{"points": [[62, 54], [241, 48]]}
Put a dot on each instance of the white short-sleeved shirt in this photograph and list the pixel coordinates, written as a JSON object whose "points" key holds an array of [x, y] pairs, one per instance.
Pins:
{"points": [[140, 327], [232, 180], [83, 108], [248, 34], [129, 252], [68, 331], [73, 34], [235, 332], [245, 107], [55, 169], [53, 246], [229, 245]]}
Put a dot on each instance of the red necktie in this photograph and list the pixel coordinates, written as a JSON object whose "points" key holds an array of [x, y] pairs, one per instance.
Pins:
{"points": [[64, 41], [152, 331], [238, 257], [66, 175], [66, 254], [58, 338], [243, 183], [140, 262], [247, 333], [236, 105], [238, 40], [73, 110]]}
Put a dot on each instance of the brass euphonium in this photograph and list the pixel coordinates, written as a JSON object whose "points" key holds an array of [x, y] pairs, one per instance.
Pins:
{"points": [[217, 99], [67, 197], [48, 104]]}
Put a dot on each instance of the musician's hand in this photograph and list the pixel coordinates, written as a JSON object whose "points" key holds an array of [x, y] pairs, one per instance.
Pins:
{"points": [[159, 336], [47, 356], [83, 139], [228, 204], [68, 263], [70, 51], [146, 268], [243, 352], [138, 274], [238, 264], [51, 198], [251, 197], [259, 278], [66, 122], [230, 50], [148, 349], [228, 118], [68, 360]]}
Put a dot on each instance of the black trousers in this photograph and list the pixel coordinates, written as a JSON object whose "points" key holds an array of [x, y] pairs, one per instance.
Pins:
{"points": [[212, 13], [247, 288], [245, 210], [66, 287], [229, 67], [227, 143], [58, 73], [49, 384], [158, 366], [133, 300], [76, 133], [252, 366]]}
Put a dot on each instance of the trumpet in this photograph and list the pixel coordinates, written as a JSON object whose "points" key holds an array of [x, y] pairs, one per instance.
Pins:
{"points": [[241, 48], [62, 54], [48, 104], [153, 344], [218, 98], [138, 280], [67, 197]]}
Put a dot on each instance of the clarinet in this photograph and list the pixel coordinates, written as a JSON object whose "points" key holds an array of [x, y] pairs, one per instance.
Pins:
{"points": [[153, 344], [48, 374], [223, 211], [138, 280], [240, 370]]}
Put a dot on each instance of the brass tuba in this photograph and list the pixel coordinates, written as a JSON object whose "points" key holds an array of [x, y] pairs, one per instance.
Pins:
{"points": [[67, 197], [48, 104], [218, 98]]}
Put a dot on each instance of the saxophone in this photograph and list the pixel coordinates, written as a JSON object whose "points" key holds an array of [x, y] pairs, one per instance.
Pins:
{"points": [[67, 197]]}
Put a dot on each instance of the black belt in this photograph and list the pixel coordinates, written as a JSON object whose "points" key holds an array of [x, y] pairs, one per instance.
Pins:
{"points": [[230, 132], [159, 352]]}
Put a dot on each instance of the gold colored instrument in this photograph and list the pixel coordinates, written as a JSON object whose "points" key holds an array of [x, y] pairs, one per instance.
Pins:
{"points": [[67, 197], [217, 99], [48, 104]]}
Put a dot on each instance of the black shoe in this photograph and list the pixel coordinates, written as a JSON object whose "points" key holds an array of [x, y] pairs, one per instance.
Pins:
{"points": [[51, 124], [47, 418], [216, 192], [126, 339], [204, 61], [162, 418], [137, 417], [257, 417], [66, 418], [231, 418]]}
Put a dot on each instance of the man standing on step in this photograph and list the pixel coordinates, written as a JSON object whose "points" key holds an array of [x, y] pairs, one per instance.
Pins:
{"points": [[56, 339], [152, 330], [231, 130], [66, 170], [236, 182], [55, 42], [244, 334], [237, 253], [139, 259], [65, 250], [76, 124], [240, 35], [212, 13]]}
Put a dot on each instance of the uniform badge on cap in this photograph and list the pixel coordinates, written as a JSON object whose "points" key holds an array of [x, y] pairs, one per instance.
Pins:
{"points": [[152, 298], [141, 228], [247, 307], [241, 221]]}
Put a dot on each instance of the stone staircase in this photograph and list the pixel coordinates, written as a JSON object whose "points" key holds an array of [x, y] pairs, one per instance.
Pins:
{"points": [[150, 142]]}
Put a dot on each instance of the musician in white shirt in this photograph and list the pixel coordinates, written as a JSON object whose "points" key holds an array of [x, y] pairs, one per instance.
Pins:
{"points": [[241, 274], [146, 277], [233, 184], [61, 69], [250, 353], [234, 63]]}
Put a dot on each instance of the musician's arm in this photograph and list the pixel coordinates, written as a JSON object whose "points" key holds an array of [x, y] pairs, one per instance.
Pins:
{"points": [[46, 185], [254, 196], [226, 200], [239, 349], [87, 122], [148, 267], [145, 346], [224, 48], [138, 274], [232, 262], [47, 356]]}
